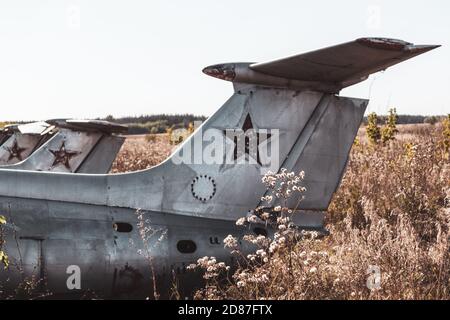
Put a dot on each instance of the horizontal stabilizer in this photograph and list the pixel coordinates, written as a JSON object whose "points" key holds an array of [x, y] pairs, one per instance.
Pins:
{"points": [[10, 128], [34, 128], [90, 125], [343, 64]]}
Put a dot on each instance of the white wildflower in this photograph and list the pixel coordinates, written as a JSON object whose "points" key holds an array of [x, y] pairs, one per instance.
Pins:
{"points": [[241, 221], [230, 242]]}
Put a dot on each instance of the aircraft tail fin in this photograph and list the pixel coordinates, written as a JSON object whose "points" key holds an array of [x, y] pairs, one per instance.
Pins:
{"points": [[216, 173], [270, 122], [18, 142], [73, 151], [210, 176], [101, 158], [290, 108]]}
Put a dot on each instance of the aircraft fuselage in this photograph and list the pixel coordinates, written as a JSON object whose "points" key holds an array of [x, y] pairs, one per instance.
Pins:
{"points": [[113, 248]]}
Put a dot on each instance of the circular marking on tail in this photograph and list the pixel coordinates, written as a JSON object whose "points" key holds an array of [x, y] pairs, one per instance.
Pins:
{"points": [[203, 188]]}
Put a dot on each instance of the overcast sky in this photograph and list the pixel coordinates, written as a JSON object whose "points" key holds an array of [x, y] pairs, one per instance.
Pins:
{"points": [[91, 58]]}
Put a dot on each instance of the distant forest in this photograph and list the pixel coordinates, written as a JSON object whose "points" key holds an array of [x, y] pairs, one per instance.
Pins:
{"points": [[160, 123], [410, 119]]}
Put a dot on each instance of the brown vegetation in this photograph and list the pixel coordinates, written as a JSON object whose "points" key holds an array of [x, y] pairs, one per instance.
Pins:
{"points": [[389, 228], [142, 151]]}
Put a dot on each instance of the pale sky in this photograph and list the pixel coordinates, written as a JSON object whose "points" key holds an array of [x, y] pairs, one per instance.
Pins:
{"points": [[91, 58]]}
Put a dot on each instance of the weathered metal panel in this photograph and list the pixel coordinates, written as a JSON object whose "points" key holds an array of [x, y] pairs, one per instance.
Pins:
{"points": [[90, 125], [36, 128], [325, 155], [168, 187], [60, 219], [78, 146], [18, 147], [62, 153], [344, 64], [109, 261], [102, 156]]}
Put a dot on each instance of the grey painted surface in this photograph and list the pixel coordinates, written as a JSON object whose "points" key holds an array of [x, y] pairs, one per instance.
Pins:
{"points": [[102, 156], [58, 219], [3, 137], [327, 70], [26, 144], [93, 151], [43, 159], [83, 235], [167, 187]]}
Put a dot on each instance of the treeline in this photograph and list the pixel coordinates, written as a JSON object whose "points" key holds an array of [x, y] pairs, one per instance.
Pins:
{"points": [[158, 123], [409, 119]]}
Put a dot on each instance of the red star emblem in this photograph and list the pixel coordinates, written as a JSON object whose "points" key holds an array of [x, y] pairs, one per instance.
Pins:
{"points": [[15, 151], [63, 156], [248, 132]]}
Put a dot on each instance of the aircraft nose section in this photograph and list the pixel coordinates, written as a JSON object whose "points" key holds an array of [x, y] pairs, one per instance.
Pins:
{"points": [[221, 71]]}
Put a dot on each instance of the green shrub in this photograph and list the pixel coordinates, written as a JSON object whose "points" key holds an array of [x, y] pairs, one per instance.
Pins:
{"points": [[373, 130], [390, 129]]}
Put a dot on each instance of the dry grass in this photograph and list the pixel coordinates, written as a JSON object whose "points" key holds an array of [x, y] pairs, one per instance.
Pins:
{"points": [[391, 213], [141, 152]]}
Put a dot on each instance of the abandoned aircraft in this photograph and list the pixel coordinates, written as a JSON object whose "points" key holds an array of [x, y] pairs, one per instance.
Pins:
{"points": [[18, 142], [58, 222], [62, 145]]}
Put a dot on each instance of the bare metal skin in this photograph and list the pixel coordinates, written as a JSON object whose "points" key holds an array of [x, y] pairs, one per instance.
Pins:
{"points": [[56, 220], [73, 146]]}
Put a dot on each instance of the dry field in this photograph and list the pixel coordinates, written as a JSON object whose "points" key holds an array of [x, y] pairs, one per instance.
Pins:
{"points": [[141, 152], [389, 228]]}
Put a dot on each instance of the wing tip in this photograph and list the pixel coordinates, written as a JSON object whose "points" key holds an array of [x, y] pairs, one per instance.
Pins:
{"points": [[383, 43], [394, 44], [419, 49], [99, 125]]}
